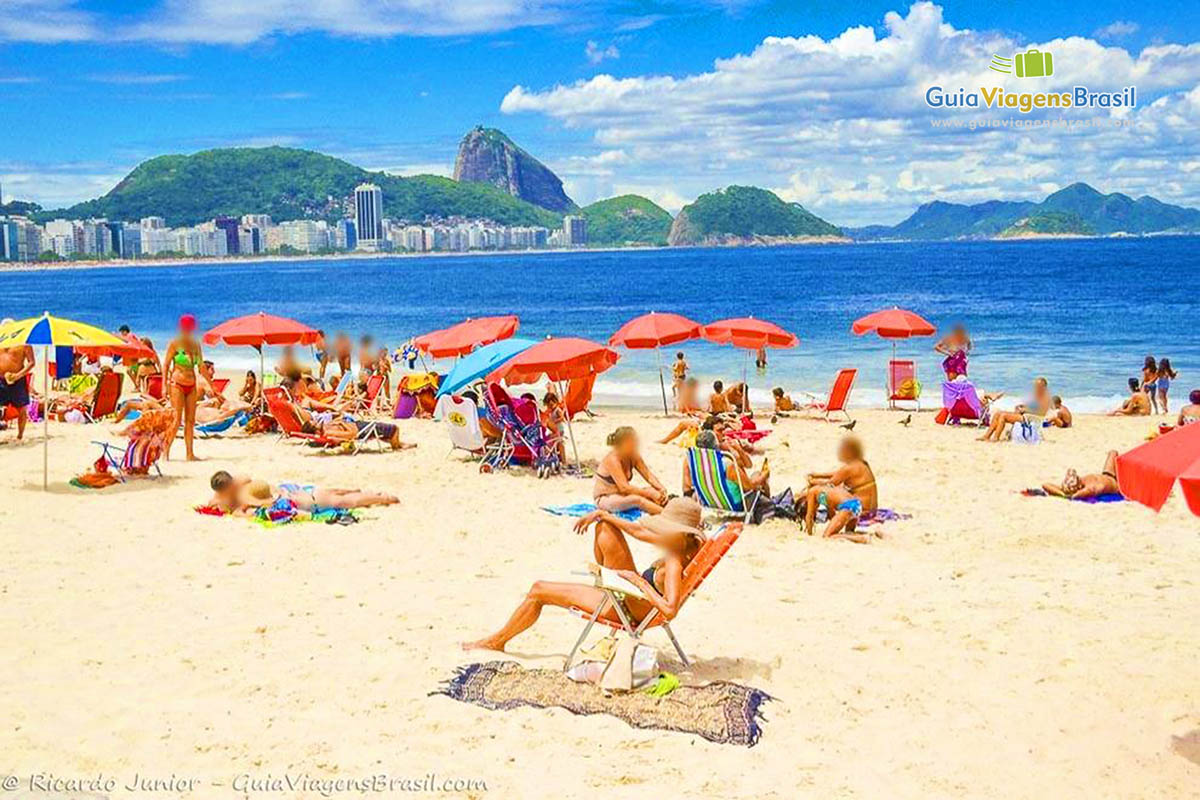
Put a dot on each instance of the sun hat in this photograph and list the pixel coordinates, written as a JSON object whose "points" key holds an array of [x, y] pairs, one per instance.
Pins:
{"points": [[681, 515]]}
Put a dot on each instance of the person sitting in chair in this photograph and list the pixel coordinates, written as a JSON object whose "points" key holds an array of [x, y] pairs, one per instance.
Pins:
{"points": [[736, 463]]}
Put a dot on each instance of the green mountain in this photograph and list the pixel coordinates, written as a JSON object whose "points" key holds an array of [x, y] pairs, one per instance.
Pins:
{"points": [[1100, 213], [1049, 223], [487, 156], [19, 208], [628, 219], [290, 184], [744, 214]]}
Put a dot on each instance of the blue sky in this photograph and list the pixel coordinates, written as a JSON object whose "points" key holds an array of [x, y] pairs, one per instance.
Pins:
{"points": [[92, 88]]}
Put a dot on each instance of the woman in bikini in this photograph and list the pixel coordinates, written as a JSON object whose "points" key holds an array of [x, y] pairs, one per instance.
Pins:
{"points": [[854, 474], [1078, 487], [1190, 414], [955, 346], [1166, 374], [613, 489], [1038, 405], [1150, 381], [676, 532], [181, 376], [843, 509]]}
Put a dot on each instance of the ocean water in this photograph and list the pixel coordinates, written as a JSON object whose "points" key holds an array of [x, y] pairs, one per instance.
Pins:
{"points": [[1083, 313]]}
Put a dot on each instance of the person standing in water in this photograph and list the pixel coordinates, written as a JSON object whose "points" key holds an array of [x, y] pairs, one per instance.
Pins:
{"points": [[181, 375]]}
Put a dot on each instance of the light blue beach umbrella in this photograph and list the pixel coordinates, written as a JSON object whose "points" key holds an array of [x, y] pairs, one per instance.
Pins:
{"points": [[479, 363]]}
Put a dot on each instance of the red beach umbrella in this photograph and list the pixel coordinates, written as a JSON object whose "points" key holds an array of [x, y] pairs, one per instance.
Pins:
{"points": [[656, 330], [131, 347], [461, 339], [750, 334], [894, 323], [1148, 472], [256, 330], [559, 360]]}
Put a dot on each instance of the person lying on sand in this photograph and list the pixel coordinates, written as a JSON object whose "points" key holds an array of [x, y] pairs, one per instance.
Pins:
{"points": [[739, 467], [1137, 405], [1077, 487], [843, 511], [1037, 405], [854, 474], [613, 489], [675, 532], [243, 495], [1060, 415]]}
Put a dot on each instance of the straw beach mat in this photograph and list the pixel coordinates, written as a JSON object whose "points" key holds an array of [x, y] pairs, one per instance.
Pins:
{"points": [[721, 712]]}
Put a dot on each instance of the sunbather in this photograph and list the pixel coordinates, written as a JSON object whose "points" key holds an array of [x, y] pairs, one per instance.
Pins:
{"points": [[783, 403], [854, 475], [348, 430], [843, 510], [1060, 415], [676, 532], [613, 489], [1136, 405], [1037, 405], [1079, 487], [738, 398], [251, 391], [688, 399], [138, 403], [717, 403], [738, 465], [243, 495]]}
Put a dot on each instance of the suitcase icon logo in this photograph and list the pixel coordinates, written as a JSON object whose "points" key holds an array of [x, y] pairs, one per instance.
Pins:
{"points": [[1030, 64]]}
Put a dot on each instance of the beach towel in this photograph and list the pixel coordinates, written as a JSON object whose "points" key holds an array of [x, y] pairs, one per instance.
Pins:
{"points": [[583, 509], [1111, 497], [721, 712], [882, 515], [279, 514]]}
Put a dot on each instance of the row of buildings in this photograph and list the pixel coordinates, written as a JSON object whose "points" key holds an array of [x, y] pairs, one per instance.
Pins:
{"points": [[21, 239]]}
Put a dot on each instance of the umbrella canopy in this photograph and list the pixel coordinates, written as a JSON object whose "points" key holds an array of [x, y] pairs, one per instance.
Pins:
{"points": [[47, 331], [261, 329], [557, 359], [131, 348], [749, 333], [893, 323], [1148, 472], [479, 363], [460, 339], [655, 330]]}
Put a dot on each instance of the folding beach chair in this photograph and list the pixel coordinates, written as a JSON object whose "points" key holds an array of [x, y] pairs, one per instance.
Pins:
{"points": [[961, 402], [290, 426], [710, 554], [462, 421], [219, 385], [839, 396], [714, 492], [374, 396], [105, 396], [138, 457], [903, 386], [154, 386], [212, 429]]}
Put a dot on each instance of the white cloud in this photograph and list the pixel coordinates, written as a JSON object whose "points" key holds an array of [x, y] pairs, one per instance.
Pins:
{"points": [[134, 78], [1117, 30], [45, 21], [596, 53], [289, 96], [841, 124]]}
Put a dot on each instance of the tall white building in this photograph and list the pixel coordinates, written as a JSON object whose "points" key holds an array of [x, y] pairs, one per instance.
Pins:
{"points": [[574, 231], [368, 216]]}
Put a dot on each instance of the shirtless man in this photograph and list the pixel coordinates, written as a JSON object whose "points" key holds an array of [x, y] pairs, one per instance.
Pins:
{"points": [[15, 364], [241, 495], [1138, 404], [1060, 415], [1077, 487], [342, 350], [717, 404]]}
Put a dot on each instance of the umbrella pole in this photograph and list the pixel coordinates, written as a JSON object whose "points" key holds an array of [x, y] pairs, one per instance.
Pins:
{"points": [[570, 430], [662, 384], [45, 409]]}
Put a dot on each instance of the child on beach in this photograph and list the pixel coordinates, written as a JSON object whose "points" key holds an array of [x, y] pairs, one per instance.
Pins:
{"points": [[717, 404], [783, 402], [553, 418], [679, 372], [1165, 375]]}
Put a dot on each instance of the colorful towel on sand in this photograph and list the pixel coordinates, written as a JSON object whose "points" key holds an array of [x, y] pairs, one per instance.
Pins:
{"points": [[721, 712], [880, 516], [1112, 497], [269, 518], [583, 509]]}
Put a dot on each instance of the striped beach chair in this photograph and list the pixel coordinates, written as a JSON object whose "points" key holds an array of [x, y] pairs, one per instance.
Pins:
{"points": [[713, 488]]}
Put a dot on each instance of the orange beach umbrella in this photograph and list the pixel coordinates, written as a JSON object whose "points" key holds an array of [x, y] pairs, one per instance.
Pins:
{"points": [[656, 330], [461, 339], [893, 323], [1148, 472], [560, 360], [748, 333], [257, 330]]}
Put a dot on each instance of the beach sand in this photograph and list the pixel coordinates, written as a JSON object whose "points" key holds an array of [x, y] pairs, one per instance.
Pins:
{"points": [[991, 646]]}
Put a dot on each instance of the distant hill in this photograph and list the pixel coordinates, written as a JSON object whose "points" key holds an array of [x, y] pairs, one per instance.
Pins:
{"points": [[288, 183], [19, 208], [487, 156], [1089, 209], [1049, 223], [628, 219], [745, 214]]}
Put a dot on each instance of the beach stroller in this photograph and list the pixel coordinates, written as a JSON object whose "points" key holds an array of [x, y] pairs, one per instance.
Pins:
{"points": [[714, 491], [541, 442], [960, 402], [903, 386], [510, 447]]}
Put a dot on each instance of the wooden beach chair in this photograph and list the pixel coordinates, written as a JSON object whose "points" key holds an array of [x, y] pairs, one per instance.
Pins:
{"points": [[710, 554], [903, 386], [714, 492], [839, 396]]}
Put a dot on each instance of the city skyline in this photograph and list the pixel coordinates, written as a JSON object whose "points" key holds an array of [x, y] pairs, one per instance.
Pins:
{"points": [[820, 105]]}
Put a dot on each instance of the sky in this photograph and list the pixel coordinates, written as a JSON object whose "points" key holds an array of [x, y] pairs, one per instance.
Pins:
{"points": [[822, 102]]}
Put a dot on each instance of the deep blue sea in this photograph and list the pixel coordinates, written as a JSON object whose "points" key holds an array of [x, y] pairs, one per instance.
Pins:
{"points": [[1084, 313]]}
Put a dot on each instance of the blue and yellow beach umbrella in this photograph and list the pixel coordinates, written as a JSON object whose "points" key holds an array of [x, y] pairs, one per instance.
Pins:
{"points": [[46, 332]]}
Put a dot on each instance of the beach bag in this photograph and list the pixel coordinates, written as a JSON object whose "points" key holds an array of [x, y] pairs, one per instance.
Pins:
{"points": [[1027, 431], [631, 666], [909, 389]]}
